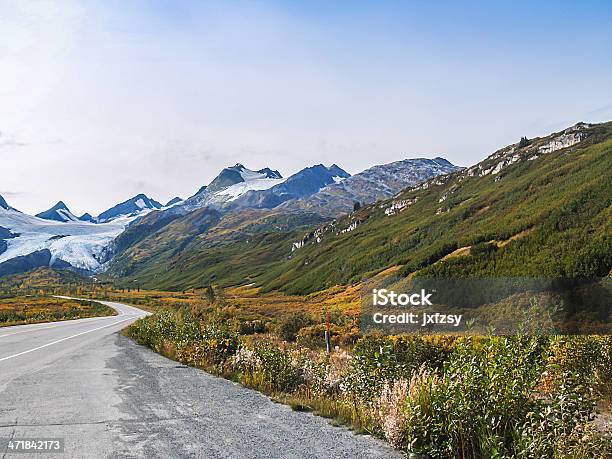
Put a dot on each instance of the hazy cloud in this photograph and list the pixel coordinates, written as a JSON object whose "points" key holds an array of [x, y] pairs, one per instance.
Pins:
{"points": [[7, 140]]}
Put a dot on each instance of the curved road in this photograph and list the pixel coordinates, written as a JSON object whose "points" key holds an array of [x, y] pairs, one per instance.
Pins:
{"points": [[106, 396]]}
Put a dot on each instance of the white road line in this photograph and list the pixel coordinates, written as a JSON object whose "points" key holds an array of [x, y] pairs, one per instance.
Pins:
{"points": [[63, 339], [65, 323]]}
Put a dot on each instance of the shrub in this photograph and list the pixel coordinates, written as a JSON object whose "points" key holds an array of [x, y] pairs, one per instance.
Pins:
{"points": [[471, 409], [523, 142], [553, 426], [483, 249], [587, 358], [313, 336], [380, 360], [274, 367], [251, 327], [390, 413], [325, 374], [217, 344], [292, 324]]}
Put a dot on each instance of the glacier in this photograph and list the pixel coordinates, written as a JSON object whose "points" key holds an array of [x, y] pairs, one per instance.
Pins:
{"points": [[82, 244]]}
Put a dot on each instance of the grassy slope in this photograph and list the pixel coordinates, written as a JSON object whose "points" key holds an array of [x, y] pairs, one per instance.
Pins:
{"points": [[203, 247], [550, 216], [559, 202]]}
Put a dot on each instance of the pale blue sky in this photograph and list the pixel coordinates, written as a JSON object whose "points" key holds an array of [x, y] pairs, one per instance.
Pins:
{"points": [[105, 99]]}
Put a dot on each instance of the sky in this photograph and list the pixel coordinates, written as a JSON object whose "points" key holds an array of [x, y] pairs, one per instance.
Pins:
{"points": [[102, 100]]}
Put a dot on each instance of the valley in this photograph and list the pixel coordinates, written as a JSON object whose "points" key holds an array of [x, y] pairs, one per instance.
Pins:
{"points": [[245, 282], [87, 244]]}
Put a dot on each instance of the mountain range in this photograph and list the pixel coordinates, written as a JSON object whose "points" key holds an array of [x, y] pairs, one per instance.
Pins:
{"points": [[536, 207], [305, 183], [371, 185], [539, 207], [240, 187], [57, 237]]}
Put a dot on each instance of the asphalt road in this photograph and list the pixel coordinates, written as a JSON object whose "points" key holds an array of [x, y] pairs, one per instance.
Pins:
{"points": [[108, 397]]}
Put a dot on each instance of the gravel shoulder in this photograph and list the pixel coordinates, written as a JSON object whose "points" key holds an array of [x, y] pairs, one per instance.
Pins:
{"points": [[190, 413]]}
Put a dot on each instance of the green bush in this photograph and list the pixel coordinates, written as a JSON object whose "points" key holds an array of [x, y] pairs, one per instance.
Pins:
{"points": [[218, 344], [380, 360], [291, 324], [587, 358]]}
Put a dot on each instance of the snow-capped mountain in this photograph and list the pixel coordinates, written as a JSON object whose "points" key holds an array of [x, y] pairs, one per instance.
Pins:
{"points": [[27, 242], [378, 182], [133, 207], [230, 184], [58, 238], [304, 183], [59, 212], [229, 181]]}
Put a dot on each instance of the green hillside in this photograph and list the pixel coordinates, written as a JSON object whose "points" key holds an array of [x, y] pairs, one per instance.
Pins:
{"points": [[536, 208], [205, 247]]}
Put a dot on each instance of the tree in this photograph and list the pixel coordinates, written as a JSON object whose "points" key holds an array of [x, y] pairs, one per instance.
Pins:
{"points": [[291, 324], [523, 142]]}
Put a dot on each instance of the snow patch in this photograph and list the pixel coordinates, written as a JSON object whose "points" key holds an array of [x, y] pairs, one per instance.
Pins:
{"points": [[66, 215], [84, 245], [254, 184]]}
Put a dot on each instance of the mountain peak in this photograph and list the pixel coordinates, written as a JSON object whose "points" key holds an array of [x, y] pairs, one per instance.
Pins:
{"points": [[86, 217], [130, 208], [337, 171], [378, 182], [3, 203], [59, 212], [269, 173], [173, 201], [442, 161], [237, 174], [59, 205], [301, 184]]}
